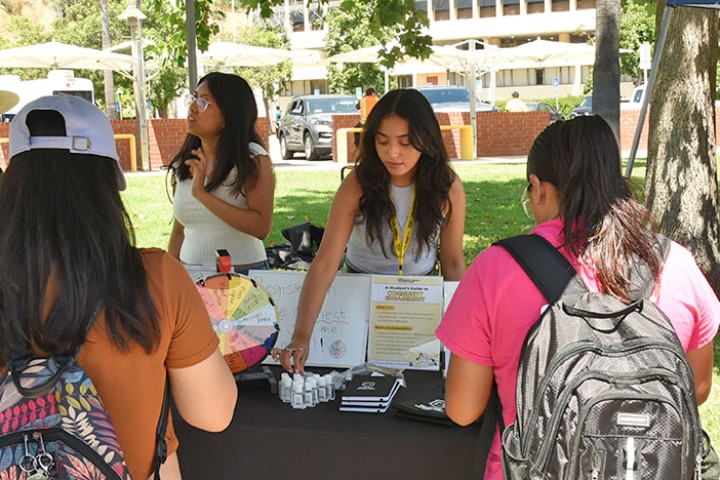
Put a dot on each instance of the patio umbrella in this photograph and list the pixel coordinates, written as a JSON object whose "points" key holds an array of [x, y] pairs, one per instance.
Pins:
{"points": [[58, 55], [7, 100], [548, 53], [228, 54]]}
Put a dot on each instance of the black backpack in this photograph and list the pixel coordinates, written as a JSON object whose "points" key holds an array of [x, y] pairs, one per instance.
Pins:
{"points": [[604, 390]]}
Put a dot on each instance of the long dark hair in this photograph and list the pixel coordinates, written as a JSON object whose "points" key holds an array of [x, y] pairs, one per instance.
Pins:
{"points": [[433, 175], [236, 101], [67, 250], [602, 220]]}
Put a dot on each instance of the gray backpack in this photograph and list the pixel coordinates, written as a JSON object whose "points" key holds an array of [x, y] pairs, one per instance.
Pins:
{"points": [[604, 390]]}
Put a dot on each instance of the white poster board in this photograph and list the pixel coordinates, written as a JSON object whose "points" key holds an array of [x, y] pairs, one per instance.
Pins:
{"points": [[448, 292], [340, 335]]}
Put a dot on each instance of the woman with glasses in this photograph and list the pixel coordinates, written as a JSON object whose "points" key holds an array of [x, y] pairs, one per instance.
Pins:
{"points": [[223, 181], [398, 213], [584, 207]]}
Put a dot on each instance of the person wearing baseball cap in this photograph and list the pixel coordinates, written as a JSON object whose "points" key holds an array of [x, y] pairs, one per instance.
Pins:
{"points": [[73, 279]]}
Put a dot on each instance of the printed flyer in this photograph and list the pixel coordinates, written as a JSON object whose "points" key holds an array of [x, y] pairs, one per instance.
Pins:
{"points": [[404, 313]]}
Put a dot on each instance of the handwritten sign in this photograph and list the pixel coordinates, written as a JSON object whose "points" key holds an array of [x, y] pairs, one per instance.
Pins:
{"points": [[340, 335]]}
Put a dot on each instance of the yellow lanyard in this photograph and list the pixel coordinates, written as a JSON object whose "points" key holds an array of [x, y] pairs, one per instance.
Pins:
{"points": [[401, 245]]}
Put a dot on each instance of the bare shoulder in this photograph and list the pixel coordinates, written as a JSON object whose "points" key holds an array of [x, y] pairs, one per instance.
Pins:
{"points": [[350, 187], [263, 161], [457, 191]]}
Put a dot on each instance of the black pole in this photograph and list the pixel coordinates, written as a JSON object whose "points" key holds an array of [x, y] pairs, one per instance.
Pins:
{"points": [[191, 44]]}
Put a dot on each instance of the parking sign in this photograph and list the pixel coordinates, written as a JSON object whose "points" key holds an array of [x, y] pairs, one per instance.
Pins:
{"points": [[556, 82]]}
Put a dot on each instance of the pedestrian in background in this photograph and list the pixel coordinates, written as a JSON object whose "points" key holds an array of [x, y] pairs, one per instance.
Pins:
{"points": [[515, 104]]}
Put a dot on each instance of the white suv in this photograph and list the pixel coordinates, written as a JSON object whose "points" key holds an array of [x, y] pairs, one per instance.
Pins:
{"points": [[453, 99]]}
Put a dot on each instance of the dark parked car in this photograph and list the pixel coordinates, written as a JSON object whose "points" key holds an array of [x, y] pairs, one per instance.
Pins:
{"points": [[544, 107], [453, 99], [583, 108], [306, 125]]}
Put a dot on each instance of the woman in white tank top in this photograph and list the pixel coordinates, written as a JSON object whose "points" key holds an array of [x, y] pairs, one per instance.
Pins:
{"points": [[401, 210], [223, 181]]}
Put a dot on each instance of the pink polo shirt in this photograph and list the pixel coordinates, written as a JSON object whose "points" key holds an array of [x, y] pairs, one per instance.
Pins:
{"points": [[496, 304]]}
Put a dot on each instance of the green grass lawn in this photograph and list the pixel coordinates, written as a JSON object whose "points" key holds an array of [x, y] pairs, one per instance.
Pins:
{"points": [[493, 212]]}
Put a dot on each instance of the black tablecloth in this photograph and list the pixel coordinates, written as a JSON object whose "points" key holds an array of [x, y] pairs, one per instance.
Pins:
{"points": [[268, 439]]}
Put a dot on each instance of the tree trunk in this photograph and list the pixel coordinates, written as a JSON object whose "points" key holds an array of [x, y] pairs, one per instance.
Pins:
{"points": [[606, 72], [681, 183], [108, 74]]}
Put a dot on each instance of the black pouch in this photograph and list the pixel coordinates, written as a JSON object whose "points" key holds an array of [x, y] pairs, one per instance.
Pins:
{"points": [[427, 406]]}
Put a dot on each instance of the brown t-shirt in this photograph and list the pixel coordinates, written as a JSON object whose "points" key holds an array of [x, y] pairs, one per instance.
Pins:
{"points": [[131, 384]]}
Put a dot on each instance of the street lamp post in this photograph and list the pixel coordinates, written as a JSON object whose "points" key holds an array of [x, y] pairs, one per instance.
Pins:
{"points": [[134, 17]]}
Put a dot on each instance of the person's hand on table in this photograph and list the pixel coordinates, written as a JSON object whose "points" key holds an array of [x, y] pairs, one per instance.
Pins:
{"points": [[292, 357]]}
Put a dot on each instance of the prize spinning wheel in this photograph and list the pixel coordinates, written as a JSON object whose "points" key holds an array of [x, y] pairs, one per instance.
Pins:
{"points": [[244, 317]]}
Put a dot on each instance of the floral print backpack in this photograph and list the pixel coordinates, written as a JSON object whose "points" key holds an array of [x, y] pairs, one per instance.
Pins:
{"points": [[53, 424]]}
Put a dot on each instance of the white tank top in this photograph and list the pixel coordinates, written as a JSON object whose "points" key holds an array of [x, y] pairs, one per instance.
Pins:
{"points": [[205, 232], [369, 258]]}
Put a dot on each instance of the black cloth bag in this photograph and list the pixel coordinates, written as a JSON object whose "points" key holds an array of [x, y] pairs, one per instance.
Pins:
{"points": [[299, 252]]}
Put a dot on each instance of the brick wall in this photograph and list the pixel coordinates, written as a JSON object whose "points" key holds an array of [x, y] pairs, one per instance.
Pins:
{"points": [[499, 133], [508, 133], [165, 137], [345, 121], [628, 124]]}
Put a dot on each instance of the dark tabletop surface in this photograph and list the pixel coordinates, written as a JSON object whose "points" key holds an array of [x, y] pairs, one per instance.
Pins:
{"points": [[269, 439]]}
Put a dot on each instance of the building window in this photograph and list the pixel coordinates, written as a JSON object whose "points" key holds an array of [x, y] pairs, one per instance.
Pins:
{"points": [[463, 8], [539, 76], [511, 7], [320, 85], [297, 20], [441, 9], [404, 81], [560, 5], [487, 8], [585, 4], [317, 22], [535, 6]]}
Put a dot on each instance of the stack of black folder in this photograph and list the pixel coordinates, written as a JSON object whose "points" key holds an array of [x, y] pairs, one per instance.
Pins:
{"points": [[368, 393]]}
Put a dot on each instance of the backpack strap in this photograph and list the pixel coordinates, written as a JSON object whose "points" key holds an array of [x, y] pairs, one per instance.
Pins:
{"points": [[551, 273], [544, 264], [491, 417], [160, 443]]}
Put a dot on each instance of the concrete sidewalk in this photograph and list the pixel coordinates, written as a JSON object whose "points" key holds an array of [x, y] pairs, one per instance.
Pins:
{"points": [[299, 163]]}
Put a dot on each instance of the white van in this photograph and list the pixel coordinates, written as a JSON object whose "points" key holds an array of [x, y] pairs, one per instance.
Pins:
{"points": [[57, 81], [635, 100]]}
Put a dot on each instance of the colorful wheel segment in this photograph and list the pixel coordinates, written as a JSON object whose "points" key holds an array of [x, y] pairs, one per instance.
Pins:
{"points": [[244, 317]]}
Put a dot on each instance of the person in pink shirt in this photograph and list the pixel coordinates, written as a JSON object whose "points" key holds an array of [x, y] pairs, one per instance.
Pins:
{"points": [[585, 208]]}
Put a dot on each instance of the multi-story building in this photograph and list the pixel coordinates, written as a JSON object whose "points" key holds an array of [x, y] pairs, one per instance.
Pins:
{"points": [[501, 23]]}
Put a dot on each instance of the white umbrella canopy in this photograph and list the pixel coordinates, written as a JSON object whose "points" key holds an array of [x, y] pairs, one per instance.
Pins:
{"points": [[456, 59], [548, 53], [228, 54], [361, 55], [445, 56], [58, 55]]}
